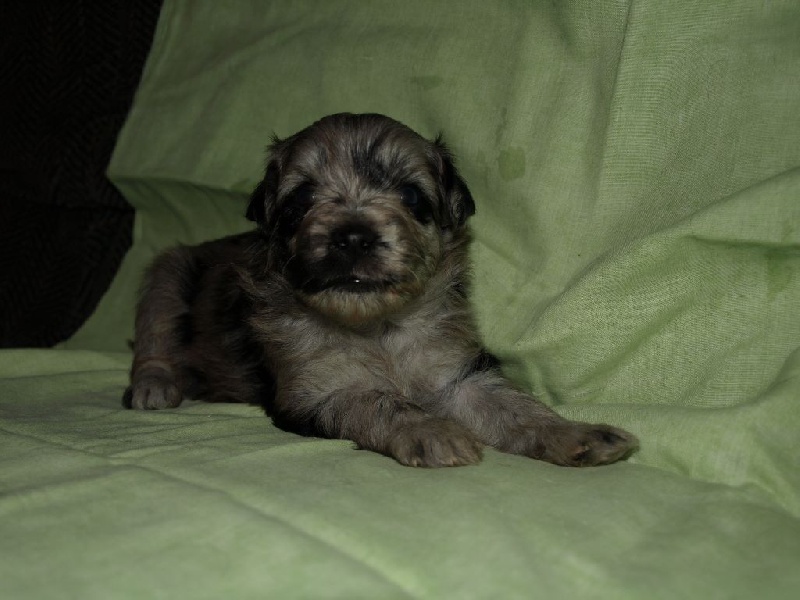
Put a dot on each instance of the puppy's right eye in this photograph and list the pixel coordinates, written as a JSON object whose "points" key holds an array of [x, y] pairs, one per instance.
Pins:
{"points": [[294, 208], [303, 194]]}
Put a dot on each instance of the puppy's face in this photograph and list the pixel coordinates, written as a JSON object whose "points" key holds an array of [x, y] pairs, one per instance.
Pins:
{"points": [[359, 211]]}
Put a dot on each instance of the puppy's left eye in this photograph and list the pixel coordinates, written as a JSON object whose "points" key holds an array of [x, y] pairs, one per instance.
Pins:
{"points": [[416, 202], [410, 194]]}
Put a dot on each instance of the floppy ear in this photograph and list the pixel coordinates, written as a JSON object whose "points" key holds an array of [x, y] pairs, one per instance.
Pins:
{"points": [[263, 198], [256, 211], [458, 202]]}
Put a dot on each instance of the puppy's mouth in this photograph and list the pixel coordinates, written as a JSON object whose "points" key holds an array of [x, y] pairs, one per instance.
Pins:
{"points": [[350, 285]]}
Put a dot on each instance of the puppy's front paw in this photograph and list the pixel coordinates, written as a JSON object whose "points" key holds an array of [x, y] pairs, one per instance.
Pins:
{"points": [[585, 445], [435, 443], [152, 390]]}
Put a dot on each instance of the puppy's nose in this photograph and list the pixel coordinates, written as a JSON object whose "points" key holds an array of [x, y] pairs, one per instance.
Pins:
{"points": [[354, 239]]}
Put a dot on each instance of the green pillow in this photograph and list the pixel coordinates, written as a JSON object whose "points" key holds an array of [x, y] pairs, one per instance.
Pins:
{"points": [[490, 76], [634, 166]]}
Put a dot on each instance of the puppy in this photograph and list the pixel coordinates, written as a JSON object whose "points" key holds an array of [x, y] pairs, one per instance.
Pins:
{"points": [[345, 313]]}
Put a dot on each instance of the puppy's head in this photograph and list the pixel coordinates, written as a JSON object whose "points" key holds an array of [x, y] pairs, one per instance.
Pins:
{"points": [[360, 213]]}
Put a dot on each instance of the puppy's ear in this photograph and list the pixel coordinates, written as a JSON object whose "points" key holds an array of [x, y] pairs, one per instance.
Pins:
{"points": [[263, 198], [256, 211], [458, 202]]}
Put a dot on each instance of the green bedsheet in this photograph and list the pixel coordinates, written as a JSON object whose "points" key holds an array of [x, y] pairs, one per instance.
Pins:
{"points": [[635, 167]]}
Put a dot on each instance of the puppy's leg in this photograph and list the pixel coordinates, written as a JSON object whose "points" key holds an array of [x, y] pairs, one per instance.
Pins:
{"points": [[515, 422], [391, 425], [162, 306]]}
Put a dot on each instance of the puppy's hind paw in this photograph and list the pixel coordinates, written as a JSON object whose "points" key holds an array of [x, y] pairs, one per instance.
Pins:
{"points": [[435, 443], [152, 392]]}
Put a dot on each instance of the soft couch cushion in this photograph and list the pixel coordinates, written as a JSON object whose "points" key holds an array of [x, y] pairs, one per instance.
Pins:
{"points": [[637, 252]]}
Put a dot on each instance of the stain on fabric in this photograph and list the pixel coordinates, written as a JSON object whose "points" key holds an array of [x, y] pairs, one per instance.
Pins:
{"points": [[780, 271], [511, 163], [427, 82]]}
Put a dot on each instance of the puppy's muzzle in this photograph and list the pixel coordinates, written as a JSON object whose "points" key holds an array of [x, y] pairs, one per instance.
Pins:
{"points": [[352, 261], [354, 241]]}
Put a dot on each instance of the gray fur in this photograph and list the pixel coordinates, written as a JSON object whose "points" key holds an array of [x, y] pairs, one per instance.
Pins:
{"points": [[345, 313]]}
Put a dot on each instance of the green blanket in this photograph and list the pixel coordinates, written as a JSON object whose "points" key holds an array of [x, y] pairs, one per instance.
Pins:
{"points": [[637, 261]]}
